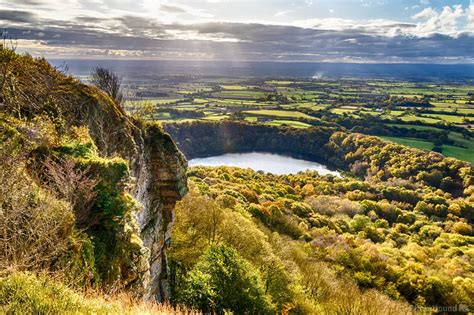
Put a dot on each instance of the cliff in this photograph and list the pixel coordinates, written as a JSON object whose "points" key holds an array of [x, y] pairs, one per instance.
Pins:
{"points": [[53, 120]]}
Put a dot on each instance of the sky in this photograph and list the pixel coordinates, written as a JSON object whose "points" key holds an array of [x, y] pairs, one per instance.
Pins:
{"points": [[360, 31]]}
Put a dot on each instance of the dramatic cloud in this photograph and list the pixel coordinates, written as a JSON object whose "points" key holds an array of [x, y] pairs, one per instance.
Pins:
{"points": [[100, 29], [470, 17]]}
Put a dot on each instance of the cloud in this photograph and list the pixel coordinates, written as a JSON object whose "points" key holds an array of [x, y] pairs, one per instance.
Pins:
{"points": [[432, 36], [254, 41], [470, 17], [282, 13], [172, 9], [17, 16], [27, 2], [445, 21], [371, 3], [379, 27]]}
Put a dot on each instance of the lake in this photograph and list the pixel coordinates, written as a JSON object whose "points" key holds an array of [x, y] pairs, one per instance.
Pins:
{"points": [[267, 162]]}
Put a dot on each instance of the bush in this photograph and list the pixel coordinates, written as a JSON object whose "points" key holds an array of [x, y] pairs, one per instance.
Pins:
{"points": [[73, 185], [462, 228], [223, 281], [24, 293], [35, 225]]}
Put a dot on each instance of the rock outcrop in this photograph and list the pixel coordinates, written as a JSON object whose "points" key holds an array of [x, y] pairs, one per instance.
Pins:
{"points": [[33, 92], [161, 182]]}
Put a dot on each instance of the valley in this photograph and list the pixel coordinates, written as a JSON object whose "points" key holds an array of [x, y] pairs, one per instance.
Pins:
{"points": [[343, 196], [426, 115], [231, 157]]}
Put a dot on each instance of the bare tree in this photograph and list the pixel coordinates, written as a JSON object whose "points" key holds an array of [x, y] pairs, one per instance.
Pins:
{"points": [[7, 41], [74, 185], [34, 225], [109, 82]]}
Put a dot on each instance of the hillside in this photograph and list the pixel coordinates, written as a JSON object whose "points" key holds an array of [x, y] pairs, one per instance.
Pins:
{"points": [[394, 234], [96, 217], [87, 192], [327, 245], [357, 154]]}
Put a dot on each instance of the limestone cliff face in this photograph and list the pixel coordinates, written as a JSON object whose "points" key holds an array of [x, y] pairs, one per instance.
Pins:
{"points": [[34, 92], [158, 171], [161, 182]]}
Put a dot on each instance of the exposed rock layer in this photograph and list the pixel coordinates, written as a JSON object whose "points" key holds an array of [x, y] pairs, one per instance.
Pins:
{"points": [[33, 91]]}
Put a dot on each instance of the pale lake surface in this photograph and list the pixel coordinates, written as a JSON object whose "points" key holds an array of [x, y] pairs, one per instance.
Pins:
{"points": [[267, 162]]}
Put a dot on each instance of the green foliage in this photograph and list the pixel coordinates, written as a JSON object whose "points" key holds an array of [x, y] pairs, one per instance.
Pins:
{"points": [[49, 120], [405, 242], [27, 293], [80, 262], [24, 293], [79, 144], [364, 156], [223, 281]]}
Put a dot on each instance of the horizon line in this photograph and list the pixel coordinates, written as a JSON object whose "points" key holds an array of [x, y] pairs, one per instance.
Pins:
{"points": [[55, 58]]}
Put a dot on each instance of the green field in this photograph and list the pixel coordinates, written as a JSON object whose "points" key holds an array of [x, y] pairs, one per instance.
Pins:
{"points": [[216, 117], [156, 101], [415, 143], [238, 94], [234, 87], [278, 113], [459, 153], [450, 118], [465, 154], [346, 101], [410, 118], [290, 123]]}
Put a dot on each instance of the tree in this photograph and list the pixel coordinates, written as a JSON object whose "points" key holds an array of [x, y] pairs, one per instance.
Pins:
{"points": [[144, 110], [109, 82], [223, 281]]}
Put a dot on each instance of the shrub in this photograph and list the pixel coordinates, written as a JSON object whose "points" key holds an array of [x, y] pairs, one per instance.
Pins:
{"points": [[73, 185], [223, 281], [462, 228], [35, 225], [109, 82], [332, 205], [26, 293], [359, 223]]}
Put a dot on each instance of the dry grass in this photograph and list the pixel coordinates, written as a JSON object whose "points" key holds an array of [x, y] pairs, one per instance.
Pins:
{"points": [[26, 293], [130, 305]]}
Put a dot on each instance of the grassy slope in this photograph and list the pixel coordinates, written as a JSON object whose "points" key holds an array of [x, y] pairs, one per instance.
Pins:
{"points": [[25, 293], [464, 154], [48, 115]]}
